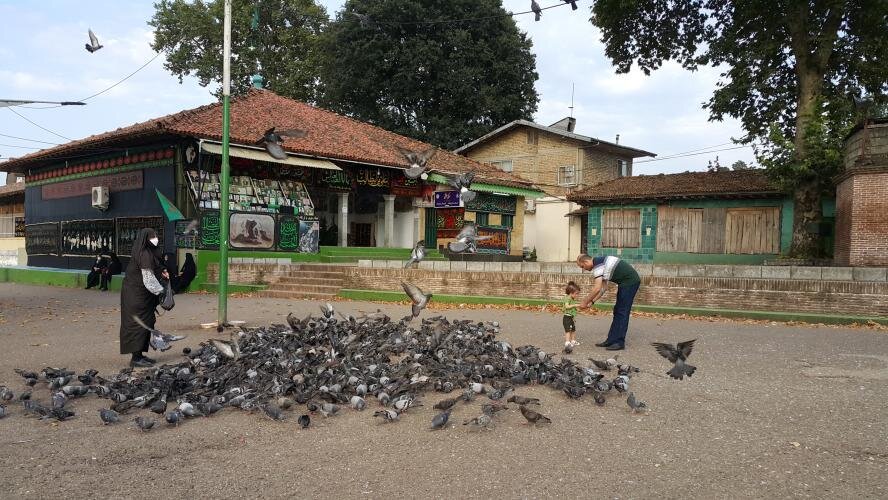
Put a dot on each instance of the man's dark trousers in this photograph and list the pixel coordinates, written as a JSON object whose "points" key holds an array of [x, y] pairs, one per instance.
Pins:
{"points": [[620, 323]]}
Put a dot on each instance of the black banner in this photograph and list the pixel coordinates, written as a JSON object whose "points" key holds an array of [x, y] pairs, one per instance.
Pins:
{"points": [[42, 239], [87, 237], [128, 228], [19, 227]]}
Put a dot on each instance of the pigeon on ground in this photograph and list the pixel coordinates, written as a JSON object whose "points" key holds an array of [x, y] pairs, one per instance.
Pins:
{"points": [[304, 421], [59, 400], [418, 161], [532, 416], [621, 383], [462, 183], [93, 44], [2, 411], [417, 254], [420, 300], [159, 341], [75, 390], [210, 408], [440, 420], [521, 400], [6, 394], [467, 239], [601, 365], [405, 403], [159, 406], [144, 423], [478, 388], [387, 415], [357, 403], [329, 409], [285, 403], [446, 404], [88, 377], [677, 354], [481, 421], [468, 395], [573, 4], [327, 310], [535, 7], [108, 416], [26, 374], [174, 417], [612, 362], [188, 410], [568, 348], [273, 412], [499, 393], [24, 396], [273, 141], [227, 349], [634, 404], [493, 408], [57, 382]]}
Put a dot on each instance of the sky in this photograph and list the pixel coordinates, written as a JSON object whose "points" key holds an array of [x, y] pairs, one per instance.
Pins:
{"points": [[42, 57]]}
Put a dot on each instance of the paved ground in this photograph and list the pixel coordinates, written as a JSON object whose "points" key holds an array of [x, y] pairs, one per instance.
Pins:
{"points": [[774, 411]]}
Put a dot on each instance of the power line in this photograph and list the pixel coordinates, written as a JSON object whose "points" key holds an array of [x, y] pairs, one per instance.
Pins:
{"points": [[127, 77], [38, 125], [20, 147], [30, 140], [467, 19], [693, 154]]}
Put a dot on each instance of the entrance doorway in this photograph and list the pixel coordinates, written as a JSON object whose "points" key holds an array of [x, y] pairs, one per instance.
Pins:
{"points": [[431, 229], [363, 235]]}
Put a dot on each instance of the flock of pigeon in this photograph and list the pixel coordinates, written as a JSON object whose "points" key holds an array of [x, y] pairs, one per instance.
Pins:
{"points": [[319, 365]]}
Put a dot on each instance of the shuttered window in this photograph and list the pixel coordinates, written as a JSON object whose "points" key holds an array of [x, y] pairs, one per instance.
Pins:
{"points": [[753, 230], [621, 229]]}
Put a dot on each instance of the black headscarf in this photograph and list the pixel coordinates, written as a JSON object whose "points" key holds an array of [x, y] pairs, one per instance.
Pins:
{"points": [[144, 253]]}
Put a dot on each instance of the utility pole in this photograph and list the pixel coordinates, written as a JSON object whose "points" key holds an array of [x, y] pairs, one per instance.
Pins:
{"points": [[225, 177]]}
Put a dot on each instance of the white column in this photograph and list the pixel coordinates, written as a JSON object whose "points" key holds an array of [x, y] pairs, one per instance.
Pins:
{"points": [[343, 219], [389, 234], [416, 236]]}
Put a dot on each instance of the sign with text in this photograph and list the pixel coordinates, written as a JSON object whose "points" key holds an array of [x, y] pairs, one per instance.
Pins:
{"points": [[372, 177], [498, 243], [87, 237], [42, 239], [288, 233], [402, 186], [492, 203], [126, 181], [446, 199]]}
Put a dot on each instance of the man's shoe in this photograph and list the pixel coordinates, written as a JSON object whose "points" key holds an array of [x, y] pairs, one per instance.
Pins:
{"points": [[150, 360], [615, 347], [603, 344], [141, 363]]}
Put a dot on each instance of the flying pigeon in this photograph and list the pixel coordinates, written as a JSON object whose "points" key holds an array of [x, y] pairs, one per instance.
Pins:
{"points": [[274, 139], [535, 7], [532, 416], [93, 44], [420, 300], [418, 161], [481, 421], [634, 404], [467, 239], [417, 254], [573, 4], [440, 420], [388, 415], [304, 421], [521, 400], [462, 183], [678, 355], [144, 423], [108, 416], [159, 341]]}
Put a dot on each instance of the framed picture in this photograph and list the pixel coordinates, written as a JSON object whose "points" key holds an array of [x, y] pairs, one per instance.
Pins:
{"points": [[254, 231]]}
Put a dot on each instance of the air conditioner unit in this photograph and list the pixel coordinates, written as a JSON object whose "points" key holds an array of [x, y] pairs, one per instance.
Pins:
{"points": [[101, 197], [530, 205]]}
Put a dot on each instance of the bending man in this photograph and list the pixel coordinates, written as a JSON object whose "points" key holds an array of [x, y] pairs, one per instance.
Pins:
{"points": [[612, 269]]}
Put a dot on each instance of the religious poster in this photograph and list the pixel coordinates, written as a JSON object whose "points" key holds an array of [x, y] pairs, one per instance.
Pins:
{"points": [[372, 177], [19, 227], [126, 181], [42, 239], [498, 243], [187, 233], [309, 235], [402, 186], [209, 230], [446, 199], [255, 231], [128, 228], [87, 237], [491, 203], [448, 222], [288, 233], [340, 180], [300, 174]]}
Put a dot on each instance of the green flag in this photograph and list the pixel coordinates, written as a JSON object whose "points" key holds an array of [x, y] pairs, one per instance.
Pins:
{"points": [[173, 214]]}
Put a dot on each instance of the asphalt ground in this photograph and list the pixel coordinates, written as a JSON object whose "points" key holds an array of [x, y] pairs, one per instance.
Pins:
{"points": [[773, 411]]}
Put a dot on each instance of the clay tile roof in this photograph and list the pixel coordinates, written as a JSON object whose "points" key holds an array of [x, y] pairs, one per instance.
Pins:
{"points": [[330, 135], [741, 183], [12, 189]]}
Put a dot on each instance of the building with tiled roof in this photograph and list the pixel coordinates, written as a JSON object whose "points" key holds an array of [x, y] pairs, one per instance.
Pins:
{"points": [[341, 184]]}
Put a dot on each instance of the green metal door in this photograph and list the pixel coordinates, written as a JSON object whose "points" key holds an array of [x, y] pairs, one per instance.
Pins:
{"points": [[431, 229]]}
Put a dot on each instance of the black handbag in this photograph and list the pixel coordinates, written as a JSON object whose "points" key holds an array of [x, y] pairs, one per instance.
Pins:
{"points": [[167, 302]]}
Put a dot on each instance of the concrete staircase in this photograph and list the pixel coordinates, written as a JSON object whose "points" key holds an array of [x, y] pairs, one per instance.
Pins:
{"points": [[312, 281]]}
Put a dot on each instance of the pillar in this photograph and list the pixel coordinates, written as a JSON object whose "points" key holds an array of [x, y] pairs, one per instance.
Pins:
{"points": [[389, 234], [343, 219]]}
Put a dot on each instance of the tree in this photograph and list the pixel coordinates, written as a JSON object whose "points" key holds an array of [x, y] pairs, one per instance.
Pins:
{"points": [[282, 46], [789, 67], [741, 165], [410, 66]]}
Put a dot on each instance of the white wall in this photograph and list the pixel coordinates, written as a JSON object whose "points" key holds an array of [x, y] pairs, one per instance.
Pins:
{"points": [[530, 230], [557, 238]]}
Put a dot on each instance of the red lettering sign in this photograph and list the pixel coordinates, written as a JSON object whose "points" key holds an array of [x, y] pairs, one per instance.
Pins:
{"points": [[127, 181]]}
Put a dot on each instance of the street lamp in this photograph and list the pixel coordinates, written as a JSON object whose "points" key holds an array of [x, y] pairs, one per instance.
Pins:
{"points": [[6, 103]]}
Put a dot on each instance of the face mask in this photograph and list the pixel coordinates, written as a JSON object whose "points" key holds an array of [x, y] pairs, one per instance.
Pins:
{"points": [[154, 241]]}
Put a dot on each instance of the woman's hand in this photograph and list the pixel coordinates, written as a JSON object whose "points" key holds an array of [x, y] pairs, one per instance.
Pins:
{"points": [[165, 274]]}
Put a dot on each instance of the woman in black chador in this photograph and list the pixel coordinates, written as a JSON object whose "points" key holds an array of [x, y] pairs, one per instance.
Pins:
{"points": [[139, 295]]}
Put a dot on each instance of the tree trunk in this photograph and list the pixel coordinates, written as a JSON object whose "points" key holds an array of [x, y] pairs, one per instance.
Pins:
{"points": [[808, 212]]}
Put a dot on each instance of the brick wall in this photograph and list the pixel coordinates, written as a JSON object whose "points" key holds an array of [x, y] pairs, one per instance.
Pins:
{"points": [[844, 194]]}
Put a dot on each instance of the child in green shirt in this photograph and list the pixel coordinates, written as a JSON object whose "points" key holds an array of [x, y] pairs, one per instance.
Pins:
{"points": [[569, 307]]}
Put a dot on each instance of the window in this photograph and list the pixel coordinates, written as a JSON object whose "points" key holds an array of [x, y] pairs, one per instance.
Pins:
{"points": [[624, 169], [508, 220], [504, 165], [621, 229], [567, 175], [533, 137], [754, 230], [482, 218], [682, 230]]}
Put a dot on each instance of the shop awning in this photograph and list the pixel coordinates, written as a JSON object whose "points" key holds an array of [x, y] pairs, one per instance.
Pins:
{"points": [[483, 187], [261, 155]]}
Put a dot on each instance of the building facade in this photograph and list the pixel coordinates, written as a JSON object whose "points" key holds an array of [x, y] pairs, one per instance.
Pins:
{"points": [[12, 221]]}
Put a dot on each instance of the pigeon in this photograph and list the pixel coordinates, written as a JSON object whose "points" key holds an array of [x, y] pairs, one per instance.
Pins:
{"points": [[493, 408], [329, 409], [601, 365], [478, 388], [420, 300], [285, 403], [568, 348], [24, 396], [481, 421], [188, 410], [159, 341], [93, 44], [304, 421], [417, 254], [677, 354], [327, 310], [210, 408], [59, 400], [159, 406], [621, 383], [535, 8], [108, 416], [635, 405], [6, 394], [440, 420], [75, 390], [225, 348], [405, 403], [573, 4], [144, 423], [174, 417], [462, 183], [446, 404], [532, 416], [418, 161], [357, 403], [26, 374], [387, 415], [57, 383], [274, 140], [499, 393], [273, 412], [467, 239], [521, 400], [468, 395]]}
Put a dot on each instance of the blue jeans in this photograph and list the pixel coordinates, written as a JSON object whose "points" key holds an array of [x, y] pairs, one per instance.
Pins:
{"points": [[620, 323]]}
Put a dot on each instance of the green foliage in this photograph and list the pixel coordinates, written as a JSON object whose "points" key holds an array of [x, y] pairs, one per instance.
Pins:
{"points": [[444, 83], [283, 47], [741, 165]]}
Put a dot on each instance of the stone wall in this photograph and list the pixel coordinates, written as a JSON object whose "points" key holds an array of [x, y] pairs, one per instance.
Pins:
{"points": [[827, 290]]}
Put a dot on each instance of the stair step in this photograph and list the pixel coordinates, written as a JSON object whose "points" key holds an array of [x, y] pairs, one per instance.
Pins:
{"points": [[276, 294], [285, 287], [302, 280], [316, 274]]}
